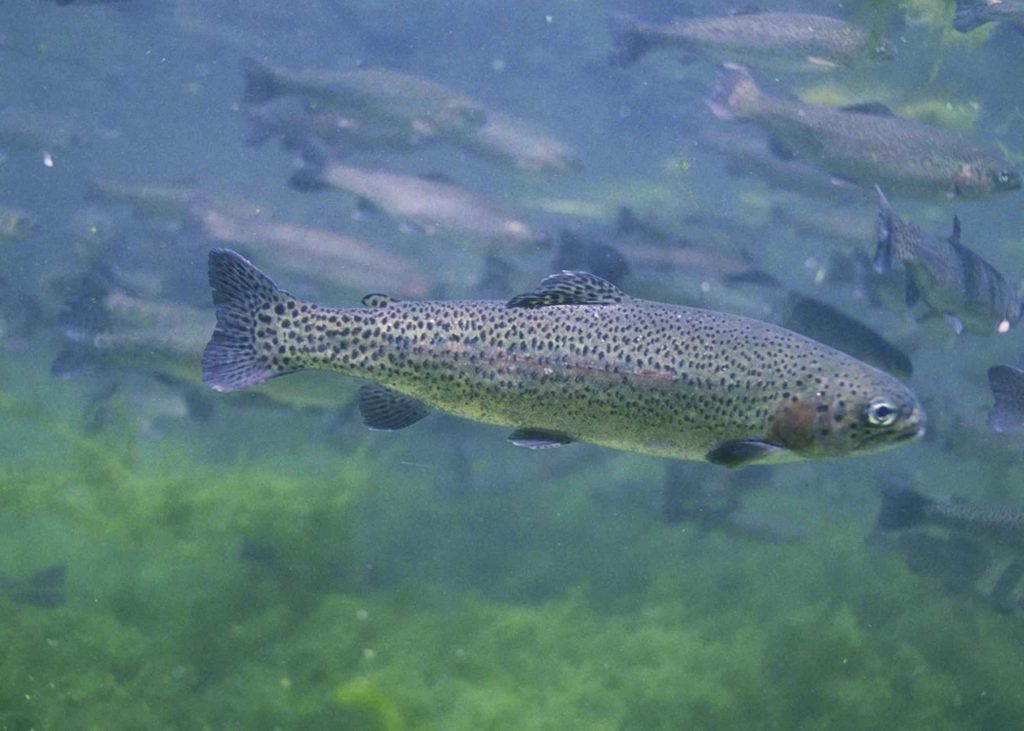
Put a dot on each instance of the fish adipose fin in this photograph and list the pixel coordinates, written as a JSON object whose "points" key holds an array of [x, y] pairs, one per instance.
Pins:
{"points": [[539, 438], [902, 507], [1007, 384], [740, 452], [571, 288], [244, 297], [387, 410]]}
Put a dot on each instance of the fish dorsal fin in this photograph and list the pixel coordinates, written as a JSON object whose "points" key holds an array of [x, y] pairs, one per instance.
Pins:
{"points": [[378, 301], [571, 288], [384, 409], [874, 108], [954, 238]]}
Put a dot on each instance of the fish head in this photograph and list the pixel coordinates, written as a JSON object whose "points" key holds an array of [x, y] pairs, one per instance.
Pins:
{"points": [[981, 178], [849, 415]]}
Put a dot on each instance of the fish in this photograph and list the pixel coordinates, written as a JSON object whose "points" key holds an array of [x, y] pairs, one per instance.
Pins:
{"points": [[43, 589], [435, 206], [1007, 384], [963, 566], [971, 14], [770, 40], [322, 254], [950, 279], [36, 132], [866, 144], [717, 506], [576, 359], [905, 507], [15, 224], [518, 144], [747, 155], [373, 96]]}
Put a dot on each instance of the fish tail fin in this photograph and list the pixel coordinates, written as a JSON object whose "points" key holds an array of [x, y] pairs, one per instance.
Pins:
{"points": [[260, 84], [1007, 384], [970, 14], [736, 94], [246, 300], [902, 507], [883, 252], [630, 42]]}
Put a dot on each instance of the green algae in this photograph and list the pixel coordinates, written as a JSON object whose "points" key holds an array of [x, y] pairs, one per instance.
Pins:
{"points": [[395, 599]]}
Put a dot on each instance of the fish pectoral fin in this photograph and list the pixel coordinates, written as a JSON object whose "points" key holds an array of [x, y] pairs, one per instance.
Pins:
{"points": [[823, 63], [954, 322], [384, 409], [571, 288], [740, 452], [539, 438]]}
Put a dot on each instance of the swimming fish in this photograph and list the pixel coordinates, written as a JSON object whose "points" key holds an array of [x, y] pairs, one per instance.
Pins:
{"points": [[971, 14], [1007, 384], [373, 96], [866, 143], [43, 589], [576, 359], [435, 206], [904, 507], [949, 278], [780, 41]]}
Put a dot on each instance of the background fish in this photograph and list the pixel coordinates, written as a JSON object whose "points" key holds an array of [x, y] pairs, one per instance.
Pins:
{"points": [[779, 41], [971, 14], [866, 144], [950, 279], [575, 360], [904, 507]]}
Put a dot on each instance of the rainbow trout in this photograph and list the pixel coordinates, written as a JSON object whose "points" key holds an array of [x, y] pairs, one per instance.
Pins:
{"points": [[951, 280], [971, 14], [576, 359], [866, 143], [904, 507], [780, 41]]}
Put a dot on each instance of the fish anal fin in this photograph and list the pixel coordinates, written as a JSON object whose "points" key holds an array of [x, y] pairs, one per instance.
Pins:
{"points": [[539, 438], [740, 452], [571, 288], [387, 410], [954, 322]]}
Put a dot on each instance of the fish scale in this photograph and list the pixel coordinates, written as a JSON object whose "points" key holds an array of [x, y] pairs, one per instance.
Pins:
{"points": [[630, 374]]}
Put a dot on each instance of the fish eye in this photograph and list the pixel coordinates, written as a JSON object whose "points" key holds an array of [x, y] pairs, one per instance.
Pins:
{"points": [[881, 412], [1008, 178]]}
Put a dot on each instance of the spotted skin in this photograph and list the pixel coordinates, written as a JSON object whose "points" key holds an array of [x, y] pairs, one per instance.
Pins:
{"points": [[635, 375]]}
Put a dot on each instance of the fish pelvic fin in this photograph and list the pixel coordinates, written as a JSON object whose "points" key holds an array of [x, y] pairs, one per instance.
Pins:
{"points": [[902, 507], [970, 14], [741, 452], [628, 38], [883, 251], [247, 301], [736, 94], [1007, 384]]}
